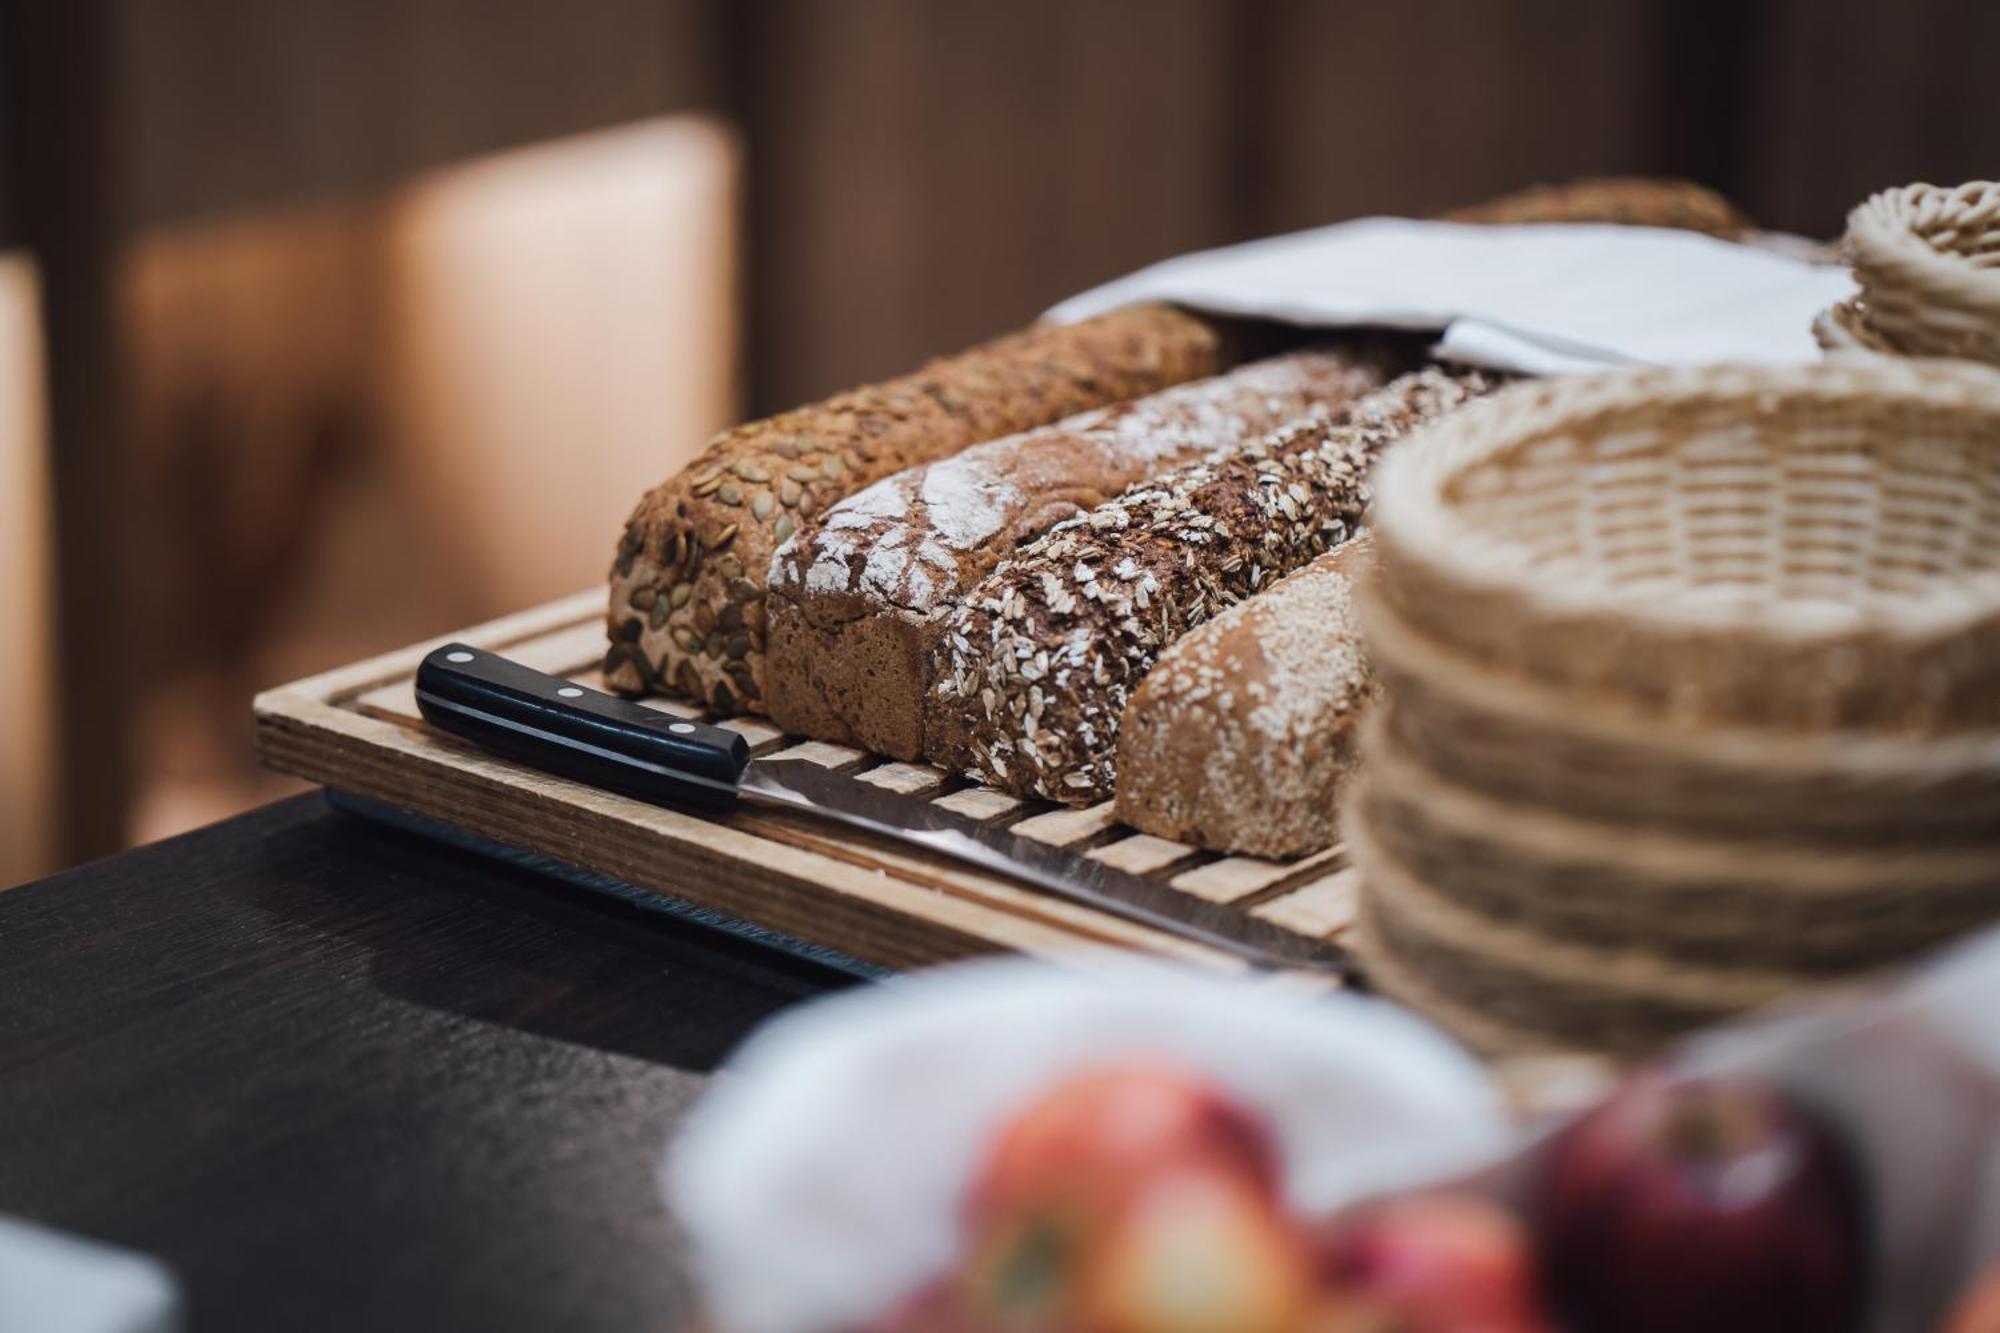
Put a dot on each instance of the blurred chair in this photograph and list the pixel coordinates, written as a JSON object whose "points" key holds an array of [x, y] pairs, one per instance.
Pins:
{"points": [[27, 845], [563, 337], [363, 423]]}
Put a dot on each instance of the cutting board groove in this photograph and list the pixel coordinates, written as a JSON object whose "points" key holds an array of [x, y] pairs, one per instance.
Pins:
{"points": [[357, 729]]}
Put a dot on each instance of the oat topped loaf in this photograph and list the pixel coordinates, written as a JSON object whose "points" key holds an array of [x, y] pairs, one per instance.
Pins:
{"points": [[856, 597], [687, 585], [1631, 201], [1243, 735], [1034, 669]]}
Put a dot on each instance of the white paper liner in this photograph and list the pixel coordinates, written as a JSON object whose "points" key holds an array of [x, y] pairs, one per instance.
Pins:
{"points": [[1541, 299]]}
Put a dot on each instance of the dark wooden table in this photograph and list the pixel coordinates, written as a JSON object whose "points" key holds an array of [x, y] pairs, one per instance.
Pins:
{"points": [[340, 1077]]}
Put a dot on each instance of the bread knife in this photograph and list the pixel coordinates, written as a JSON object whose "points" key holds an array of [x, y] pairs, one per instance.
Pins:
{"points": [[595, 738]]}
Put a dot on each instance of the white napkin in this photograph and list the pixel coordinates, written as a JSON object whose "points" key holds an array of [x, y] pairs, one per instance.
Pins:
{"points": [[53, 1282], [1539, 299]]}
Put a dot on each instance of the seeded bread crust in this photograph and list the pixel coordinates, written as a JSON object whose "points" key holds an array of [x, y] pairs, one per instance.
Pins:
{"points": [[1630, 201], [1242, 736], [1034, 669], [856, 597], [687, 584]]}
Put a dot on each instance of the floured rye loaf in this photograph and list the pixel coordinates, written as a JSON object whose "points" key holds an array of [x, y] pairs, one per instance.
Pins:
{"points": [[857, 596], [1242, 735], [687, 585], [1033, 670]]}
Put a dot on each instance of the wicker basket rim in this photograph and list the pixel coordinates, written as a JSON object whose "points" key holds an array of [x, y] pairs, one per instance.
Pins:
{"points": [[1413, 520], [1626, 969], [1659, 857], [1397, 980], [1844, 328], [1880, 236], [1611, 719]]}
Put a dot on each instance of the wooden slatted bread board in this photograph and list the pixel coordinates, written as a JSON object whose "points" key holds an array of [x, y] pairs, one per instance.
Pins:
{"points": [[357, 731]]}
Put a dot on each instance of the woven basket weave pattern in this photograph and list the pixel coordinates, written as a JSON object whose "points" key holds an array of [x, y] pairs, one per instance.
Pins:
{"points": [[1928, 261], [1603, 998], [1692, 695], [1817, 546], [1730, 902], [1846, 328], [1604, 759]]}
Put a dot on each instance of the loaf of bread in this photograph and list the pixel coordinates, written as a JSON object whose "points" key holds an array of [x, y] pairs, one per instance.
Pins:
{"points": [[1631, 201], [1241, 736], [1034, 668], [687, 585], [857, 596]]}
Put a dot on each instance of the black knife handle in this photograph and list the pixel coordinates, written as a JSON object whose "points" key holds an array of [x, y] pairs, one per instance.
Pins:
{"points": [[552, 725]]}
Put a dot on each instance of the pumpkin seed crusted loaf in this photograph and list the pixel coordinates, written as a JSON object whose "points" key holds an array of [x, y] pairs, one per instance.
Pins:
{"points": [[1034, 669], [1241, 738], [687, 585], [857, 596]]}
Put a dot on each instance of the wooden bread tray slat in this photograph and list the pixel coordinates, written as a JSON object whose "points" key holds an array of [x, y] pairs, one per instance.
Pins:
{"points": [[357, 730]]}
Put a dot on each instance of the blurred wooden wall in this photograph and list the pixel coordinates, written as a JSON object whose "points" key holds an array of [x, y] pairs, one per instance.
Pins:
{"points": [[919, 173], [925, 173]]}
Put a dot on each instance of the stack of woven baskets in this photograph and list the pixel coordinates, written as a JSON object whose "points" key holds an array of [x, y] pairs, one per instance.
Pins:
{"points": [[1928, 263], [1692, 695]]}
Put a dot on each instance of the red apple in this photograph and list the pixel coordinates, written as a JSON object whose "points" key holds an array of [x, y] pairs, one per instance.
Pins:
{"points": [[1082, 1145], [1197, 1250], [1068, 1182], [1427, 1263], [1701, 1204], [1024, 1276], [1978, 1308], [938, 1308]]}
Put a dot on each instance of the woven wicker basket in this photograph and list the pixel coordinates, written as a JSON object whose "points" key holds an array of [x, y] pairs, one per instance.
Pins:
{"points": [[1444, 959], [1845, 328], [1928, 261], [1807, 547], [1603, 758], [1734, 902]]}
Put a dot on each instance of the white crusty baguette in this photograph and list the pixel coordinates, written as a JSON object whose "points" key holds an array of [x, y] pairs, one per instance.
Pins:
{"points": [[1241, 736]]}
